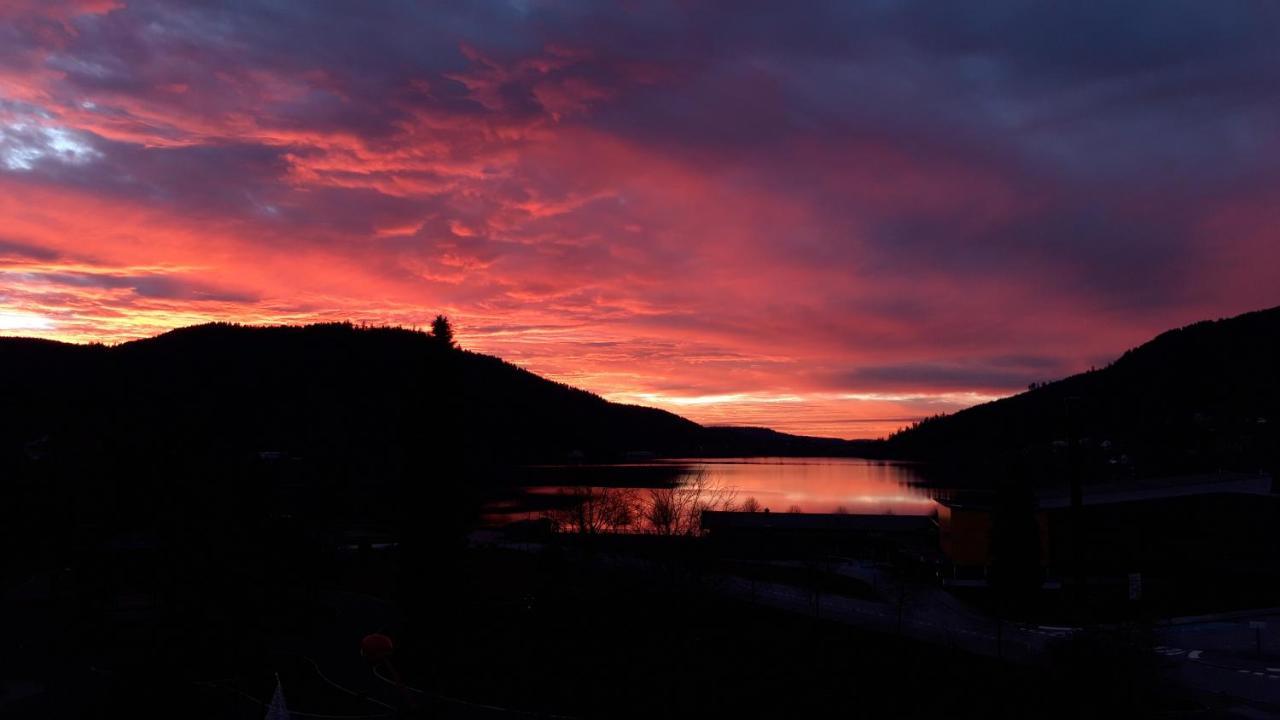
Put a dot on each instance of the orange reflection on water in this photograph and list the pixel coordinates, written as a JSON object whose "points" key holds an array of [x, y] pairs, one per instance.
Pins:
{"points": [[821, 485], [810, 485]]}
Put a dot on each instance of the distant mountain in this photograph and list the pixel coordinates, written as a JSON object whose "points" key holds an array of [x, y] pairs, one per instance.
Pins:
{"points": [[746, 441], [1196, 399]]}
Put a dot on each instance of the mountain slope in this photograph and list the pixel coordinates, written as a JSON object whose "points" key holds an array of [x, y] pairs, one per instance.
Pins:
{"points": [[1200, 398], [328, 390], [309, 390]]}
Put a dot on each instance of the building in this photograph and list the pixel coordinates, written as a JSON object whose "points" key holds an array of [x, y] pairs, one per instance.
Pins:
{"points": [[1182, 527]]}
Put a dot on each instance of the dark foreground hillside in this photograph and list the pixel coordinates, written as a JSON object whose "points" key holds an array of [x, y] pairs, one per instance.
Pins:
{"points": [[1198, 399]]}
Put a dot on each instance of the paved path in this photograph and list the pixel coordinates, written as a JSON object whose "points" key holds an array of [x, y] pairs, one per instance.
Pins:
{"points": [[921, 618], [1214, 655]]}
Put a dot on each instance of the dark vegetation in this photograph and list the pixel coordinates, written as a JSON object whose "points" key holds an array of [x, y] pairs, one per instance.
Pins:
{"points": [[1198, 399]]}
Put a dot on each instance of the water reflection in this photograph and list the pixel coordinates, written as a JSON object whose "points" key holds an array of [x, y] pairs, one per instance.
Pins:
{"points": [[823, 485], [633, 496]]}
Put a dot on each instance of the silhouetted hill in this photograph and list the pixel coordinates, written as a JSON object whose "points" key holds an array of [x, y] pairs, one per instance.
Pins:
{"points": [[746, 441], [1199, 398], [307, 390], [326, 390]]}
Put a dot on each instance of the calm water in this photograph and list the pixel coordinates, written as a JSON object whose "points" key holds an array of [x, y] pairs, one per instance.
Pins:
{"points": [[821, 484], [814, 485]]}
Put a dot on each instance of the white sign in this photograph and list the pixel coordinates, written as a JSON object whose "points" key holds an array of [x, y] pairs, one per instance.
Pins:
{"points": [[1257, 625]]}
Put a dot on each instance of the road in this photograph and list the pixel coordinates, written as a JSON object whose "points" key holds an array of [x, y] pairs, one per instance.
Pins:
{"points": [[1213, 655], [919, 613], [1221, 655]]}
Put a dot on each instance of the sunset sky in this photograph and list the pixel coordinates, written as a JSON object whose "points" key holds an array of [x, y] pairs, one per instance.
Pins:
{"points": [[828, 218]]}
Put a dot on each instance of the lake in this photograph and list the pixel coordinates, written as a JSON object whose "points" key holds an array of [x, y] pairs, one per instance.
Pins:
{"points": [[821, 485], [812, 485]]}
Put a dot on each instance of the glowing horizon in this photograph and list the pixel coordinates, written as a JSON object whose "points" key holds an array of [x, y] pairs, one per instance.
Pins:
{"points": [[831, 222]]}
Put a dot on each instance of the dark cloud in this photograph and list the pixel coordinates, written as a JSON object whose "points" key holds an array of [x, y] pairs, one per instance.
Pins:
{"points": [[998, 374], [11, 250], [165, 287]]}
